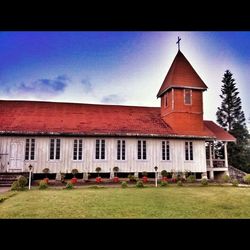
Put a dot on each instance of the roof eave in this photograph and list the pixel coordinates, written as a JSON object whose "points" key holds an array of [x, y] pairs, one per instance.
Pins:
{"points": [[180, 87], [106, 134]]}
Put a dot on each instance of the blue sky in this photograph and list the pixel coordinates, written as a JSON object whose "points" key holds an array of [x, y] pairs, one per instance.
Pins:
{"points": [[124, 68]]}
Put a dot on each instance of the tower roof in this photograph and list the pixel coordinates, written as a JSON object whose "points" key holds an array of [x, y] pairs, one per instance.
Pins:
{"points": [[181, 75]]}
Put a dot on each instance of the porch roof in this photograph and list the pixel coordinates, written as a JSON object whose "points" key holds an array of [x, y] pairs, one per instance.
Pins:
{"points": [[219, 132]]}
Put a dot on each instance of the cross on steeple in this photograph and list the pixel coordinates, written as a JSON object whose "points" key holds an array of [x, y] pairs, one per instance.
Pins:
{"points": [[179, 39]]}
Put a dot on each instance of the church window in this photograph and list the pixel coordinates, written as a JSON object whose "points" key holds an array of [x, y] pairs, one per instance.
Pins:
{"points": [[100, 150], [189, 151], [187, 96], [55, 145], [165, 151], [30, 149], [166, 99], [142, 150], [121, 149], [77, 150]]}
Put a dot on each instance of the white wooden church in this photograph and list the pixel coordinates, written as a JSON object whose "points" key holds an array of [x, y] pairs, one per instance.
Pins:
{"points": [[66, 136]]}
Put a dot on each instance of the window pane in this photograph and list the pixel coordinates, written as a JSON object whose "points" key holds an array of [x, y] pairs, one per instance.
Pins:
{"points": [[97, 149], [187, 96], [58, 149], [32, 153], [103, 150], [168, 151], [144, 151], [186, 151], [27, 147], [52, 149], [80, 150], [139, 150], [166, 99], [163, 151], [118, 150], [123, 150], [75, 150], [191, 151]]}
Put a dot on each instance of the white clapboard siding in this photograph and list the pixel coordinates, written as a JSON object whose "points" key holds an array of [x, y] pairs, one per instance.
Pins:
{"points": [[88, 164]]}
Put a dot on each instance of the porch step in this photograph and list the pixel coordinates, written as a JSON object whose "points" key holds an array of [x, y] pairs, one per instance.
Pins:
{"points": [[6, 179]]}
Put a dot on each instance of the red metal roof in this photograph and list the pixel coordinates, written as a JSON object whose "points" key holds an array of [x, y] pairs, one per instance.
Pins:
{"points": [[181, 74], [219, 132], [34, 117]]}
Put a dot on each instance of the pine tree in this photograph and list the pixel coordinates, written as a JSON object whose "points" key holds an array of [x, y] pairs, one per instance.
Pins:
{"points": [[231, 117]]}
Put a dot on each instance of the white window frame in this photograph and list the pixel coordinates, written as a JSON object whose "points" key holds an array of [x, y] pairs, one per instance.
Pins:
{"points": [[167, 143], [100, 149], [141, 150], [77, 149], [55, 143], [125, 155], [29, 151], [190, 144]]}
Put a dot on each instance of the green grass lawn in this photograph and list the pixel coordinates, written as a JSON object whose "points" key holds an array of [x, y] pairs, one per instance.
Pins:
{"points": [[167, 202]]}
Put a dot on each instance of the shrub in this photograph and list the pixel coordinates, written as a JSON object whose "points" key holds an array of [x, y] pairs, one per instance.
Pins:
{"points": [[124, 184], [145, 179], [225, 178], [191, 178], [235, 183], [46, 171], [62, 177], [164, 173], [204, 182], [43, 185], [98, 169], [69, 185], [73, 180], [179, 177], [15, 186], [74, 171], [163, 183], [46, 180], [116, 179], [115, 169], [98, 179], [22, 181], [246, 178], [179, 183], [131, 177], [139, 184]]}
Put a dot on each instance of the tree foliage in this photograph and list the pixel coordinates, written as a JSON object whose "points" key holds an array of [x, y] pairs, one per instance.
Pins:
{"points": [[231, 117]]}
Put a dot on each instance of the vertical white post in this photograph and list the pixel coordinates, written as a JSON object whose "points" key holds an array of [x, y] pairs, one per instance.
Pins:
{"points": [[211, 175], [29, 179], [225, 152], [213, 151], [210, 155], [155, 178]]}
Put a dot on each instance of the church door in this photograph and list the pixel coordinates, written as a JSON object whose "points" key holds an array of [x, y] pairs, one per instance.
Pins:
{"points": [[16, 156]]}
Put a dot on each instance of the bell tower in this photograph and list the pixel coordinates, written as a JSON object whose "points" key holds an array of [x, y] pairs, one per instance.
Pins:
{"points": [[181, 96]]}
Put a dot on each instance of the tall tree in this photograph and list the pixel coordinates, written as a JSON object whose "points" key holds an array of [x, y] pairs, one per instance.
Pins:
{"points": [[231, 117]]}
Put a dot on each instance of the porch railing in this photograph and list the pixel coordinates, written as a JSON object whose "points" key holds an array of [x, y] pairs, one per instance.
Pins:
{"points": [[217, 163]]}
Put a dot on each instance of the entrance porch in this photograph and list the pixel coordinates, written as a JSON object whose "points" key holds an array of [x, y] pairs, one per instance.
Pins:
{"points": [[217, 164]]}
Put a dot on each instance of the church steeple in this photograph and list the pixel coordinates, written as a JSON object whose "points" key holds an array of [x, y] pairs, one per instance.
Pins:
{"points": [[181, 96], [181, 74]]}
